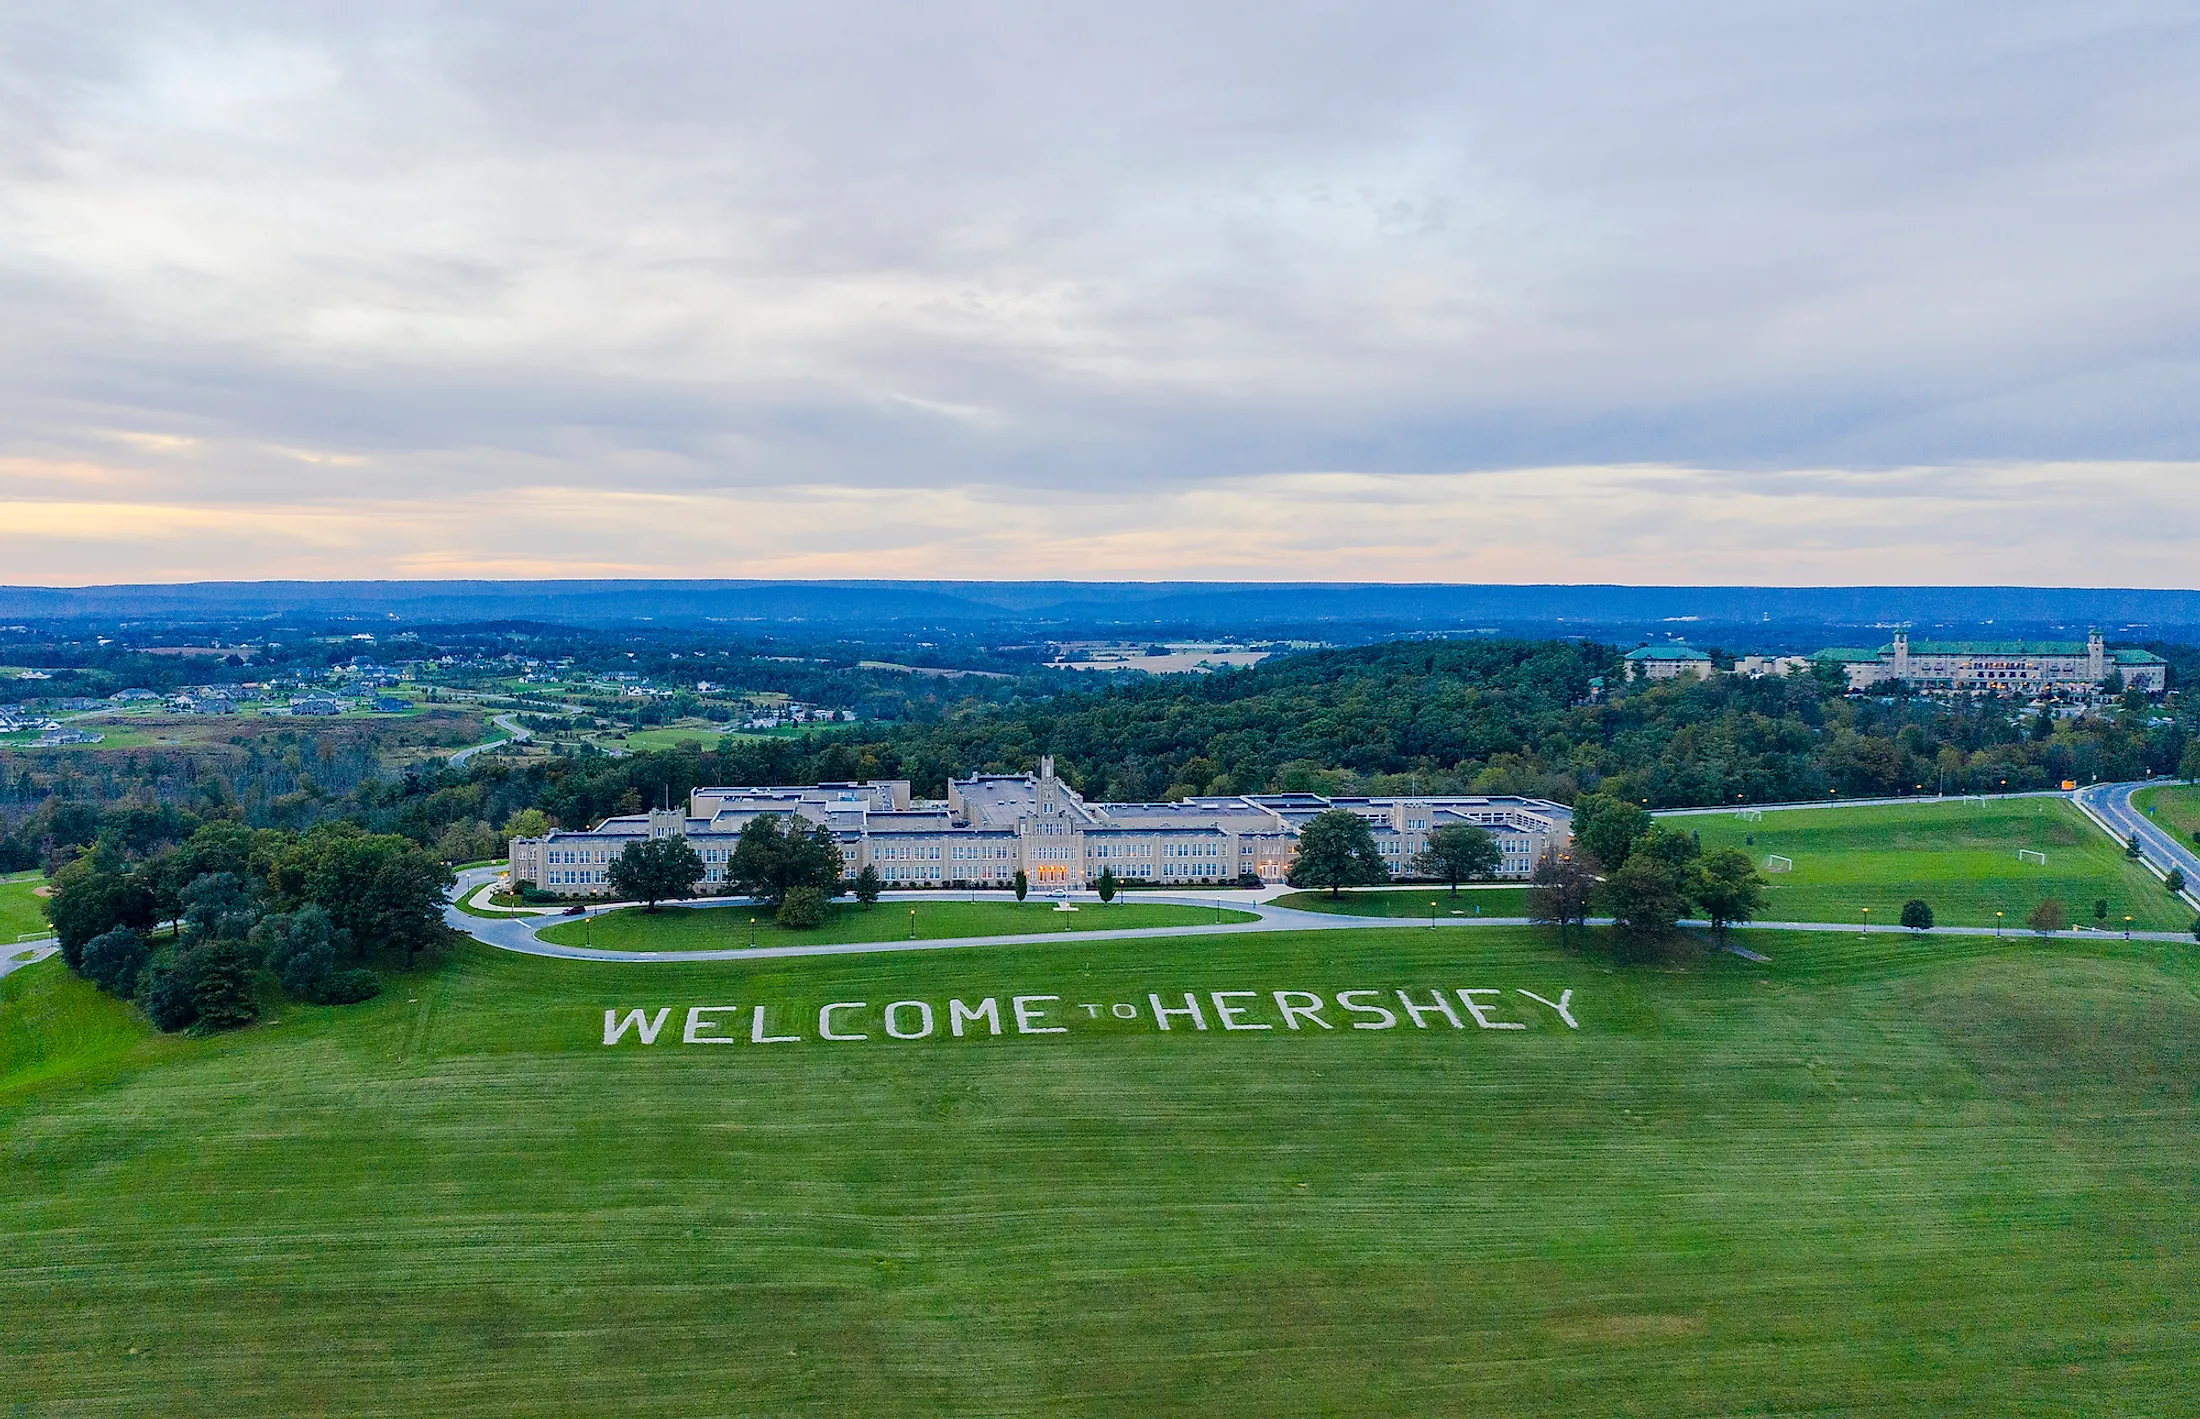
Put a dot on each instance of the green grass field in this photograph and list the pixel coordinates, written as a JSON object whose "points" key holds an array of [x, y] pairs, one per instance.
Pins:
{"points": [[717, 928], [1960, 857], [1413, 902], [2175, 808], [1869, 1177], [21, 909]]}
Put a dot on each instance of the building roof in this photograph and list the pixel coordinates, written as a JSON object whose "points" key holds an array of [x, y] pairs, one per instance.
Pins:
{"points": [[1669, 652], [2136, 657], [2018, 647]]}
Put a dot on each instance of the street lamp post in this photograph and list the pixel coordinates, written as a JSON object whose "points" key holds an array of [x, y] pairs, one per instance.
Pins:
{"points": [[2127, 928], [1432, 913], [752, 933], [1997, 923], [912, 923], [1867, 921]]}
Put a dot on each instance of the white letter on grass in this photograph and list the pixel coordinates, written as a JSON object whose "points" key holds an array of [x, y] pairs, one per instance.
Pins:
{"points": [[1025, 1016], [1161, 1013], [1564, 998], [1344, 1000], [757, 1035], [1442, 1007], [699, 1027], [614, 1029], [924, 1013], [1312, 1009], [957, 1013], [825, 1020], [1228, 1013]]}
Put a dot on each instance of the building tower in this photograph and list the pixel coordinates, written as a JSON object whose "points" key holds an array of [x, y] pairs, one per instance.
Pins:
{"points": [[1049, 795], [2096, 656], [1901, 655]]}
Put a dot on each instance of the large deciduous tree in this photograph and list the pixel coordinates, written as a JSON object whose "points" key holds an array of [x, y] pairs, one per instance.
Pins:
{"points": [[1608, 828], [1648, 896], [654, 869], [1560, 890], [1726, 888], [1456, 852], [778, 852], [1337, 849], [385, 890]]}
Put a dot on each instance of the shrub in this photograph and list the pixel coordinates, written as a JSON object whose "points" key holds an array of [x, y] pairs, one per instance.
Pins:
{"points": [[1917, 914], [2175, 882], [803, 909], [350, 987], [171, 1001], [2048, 916], [1106, 885], [115, 960]]}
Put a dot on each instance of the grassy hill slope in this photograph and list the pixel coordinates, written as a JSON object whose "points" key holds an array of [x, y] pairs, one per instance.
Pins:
{"points": [[1960, 857], [1866, 1178]]}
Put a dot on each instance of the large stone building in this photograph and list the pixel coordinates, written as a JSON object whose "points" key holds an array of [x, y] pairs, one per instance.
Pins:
{"points": [[1667, 662], [2000, 667], [990, 826]]}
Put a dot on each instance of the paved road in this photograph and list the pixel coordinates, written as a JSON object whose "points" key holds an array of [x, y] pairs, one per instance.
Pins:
{"points": [[1831, 802], [514, 734], [2110, 805], [520, 934], [16, 958]]}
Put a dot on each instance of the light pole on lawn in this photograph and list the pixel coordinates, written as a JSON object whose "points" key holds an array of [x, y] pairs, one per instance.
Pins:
{"points": [[752, 933], [912, 923], [2127, 928], [1997, 923], [1432, 913], [1867, 921]]}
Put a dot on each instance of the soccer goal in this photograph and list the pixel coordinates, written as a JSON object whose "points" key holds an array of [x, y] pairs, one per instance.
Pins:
{"points": [[2025, 854], [1750, 815], [1777, 863]]}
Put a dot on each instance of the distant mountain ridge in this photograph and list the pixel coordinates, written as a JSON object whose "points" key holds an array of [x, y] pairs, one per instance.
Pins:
{"points": [[1220, 605]]}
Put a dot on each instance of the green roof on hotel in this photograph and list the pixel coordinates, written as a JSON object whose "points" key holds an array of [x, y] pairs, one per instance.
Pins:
{"points": [[1667, 652], [1995, 648], [1846, 655]]}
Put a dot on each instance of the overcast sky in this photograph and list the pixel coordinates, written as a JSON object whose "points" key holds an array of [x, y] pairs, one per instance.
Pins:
{"points": [[1743, 292]]}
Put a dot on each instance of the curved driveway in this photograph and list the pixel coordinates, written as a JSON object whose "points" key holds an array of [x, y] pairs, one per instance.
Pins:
{"points": [[514, 734], [2110, 805], [519, 934]]}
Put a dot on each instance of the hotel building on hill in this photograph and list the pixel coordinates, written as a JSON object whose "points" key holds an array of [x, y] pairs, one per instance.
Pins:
{"points": [[2000, 667], [991, 825]]}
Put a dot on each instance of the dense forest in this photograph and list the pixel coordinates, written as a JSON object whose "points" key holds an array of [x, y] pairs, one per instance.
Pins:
{"points": [[1422, 716]]}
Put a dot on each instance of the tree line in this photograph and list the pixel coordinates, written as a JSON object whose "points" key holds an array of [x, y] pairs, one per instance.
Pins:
{"points": [[200, 931]]}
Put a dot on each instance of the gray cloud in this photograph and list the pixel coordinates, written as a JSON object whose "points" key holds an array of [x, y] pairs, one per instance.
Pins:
{"points": [[675, 249]]}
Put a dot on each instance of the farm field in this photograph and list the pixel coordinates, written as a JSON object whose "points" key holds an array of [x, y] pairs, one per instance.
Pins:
{"points": [[1960, 857], [2175, 807], [1851, 1180], [705, 735], [717, 928], [1413, 902], [21, 910]]}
